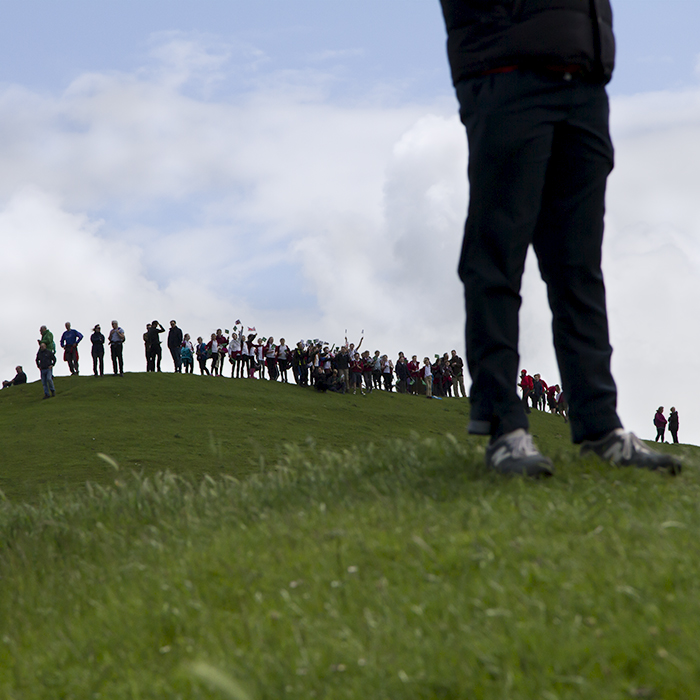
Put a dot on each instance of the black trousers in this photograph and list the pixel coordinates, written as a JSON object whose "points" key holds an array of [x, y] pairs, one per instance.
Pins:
{"points": [[177, 357], [98, 363], [117, 358], [539, 156]]}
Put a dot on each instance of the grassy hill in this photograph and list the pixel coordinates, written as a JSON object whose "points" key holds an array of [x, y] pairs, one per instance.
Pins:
{"points": [[383, 561], [190, 425]]}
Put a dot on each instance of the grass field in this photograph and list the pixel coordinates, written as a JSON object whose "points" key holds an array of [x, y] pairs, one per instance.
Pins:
{"points": [[189, 424], [379, 561]]}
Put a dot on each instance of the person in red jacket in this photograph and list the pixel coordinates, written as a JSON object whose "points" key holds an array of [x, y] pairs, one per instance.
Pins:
{"points": [[356, 367], [660, 423], [413, 372], [527, 385]]}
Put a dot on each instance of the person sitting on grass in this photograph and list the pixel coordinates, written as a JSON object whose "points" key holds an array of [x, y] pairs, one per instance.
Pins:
{"points": [[20, 378], [336, 382]]}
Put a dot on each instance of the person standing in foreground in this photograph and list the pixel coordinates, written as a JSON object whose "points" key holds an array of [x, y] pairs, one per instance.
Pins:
{"points": [[45, 360], [116, 347], [672, 424], [530, 80]]}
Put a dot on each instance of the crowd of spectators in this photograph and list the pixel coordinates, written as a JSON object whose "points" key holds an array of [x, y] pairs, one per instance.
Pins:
{"points": [[340, 368], [310, 363], [542, 396]]}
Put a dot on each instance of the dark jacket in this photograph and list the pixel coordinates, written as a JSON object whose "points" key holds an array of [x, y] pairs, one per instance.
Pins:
{"points": [[98, 343], [174, 338], [401, 369], [342, 360], [486, 34], [45, 358], [153, 336], [673, 420]]}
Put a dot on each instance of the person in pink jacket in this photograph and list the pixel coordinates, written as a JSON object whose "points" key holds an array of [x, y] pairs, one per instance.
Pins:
{"points": [[660, 423]]}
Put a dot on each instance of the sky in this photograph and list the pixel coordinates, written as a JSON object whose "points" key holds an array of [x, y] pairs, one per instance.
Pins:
{"points": [[300, 166]]}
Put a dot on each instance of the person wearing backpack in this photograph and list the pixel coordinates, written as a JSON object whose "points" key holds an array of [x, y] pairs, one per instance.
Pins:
{"points": [[660, 423], [117, 337]]}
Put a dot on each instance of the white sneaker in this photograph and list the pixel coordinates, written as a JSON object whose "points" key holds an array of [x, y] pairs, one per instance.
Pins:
{"points": [[627, 450], [515, 453]]}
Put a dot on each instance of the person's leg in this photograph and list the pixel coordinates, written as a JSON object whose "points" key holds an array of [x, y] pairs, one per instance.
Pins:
{"points": [[568, 241], [509, 128], [461, 386], [44, 382]]}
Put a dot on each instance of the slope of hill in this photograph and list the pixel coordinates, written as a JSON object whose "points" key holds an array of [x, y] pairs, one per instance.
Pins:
{"points": [[340, 569], [190, 425]]}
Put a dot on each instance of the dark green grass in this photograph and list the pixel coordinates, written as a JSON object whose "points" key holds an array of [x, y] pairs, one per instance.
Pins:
{"points": [[355, 567], [190, 425], [402, 571]]}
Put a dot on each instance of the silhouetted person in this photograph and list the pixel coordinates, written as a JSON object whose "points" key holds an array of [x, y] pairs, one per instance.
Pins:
{"points": [[98, 351], [530, 79], [660, 423], [117, 337], [175, 345], [154, 350], [673, 424]]}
